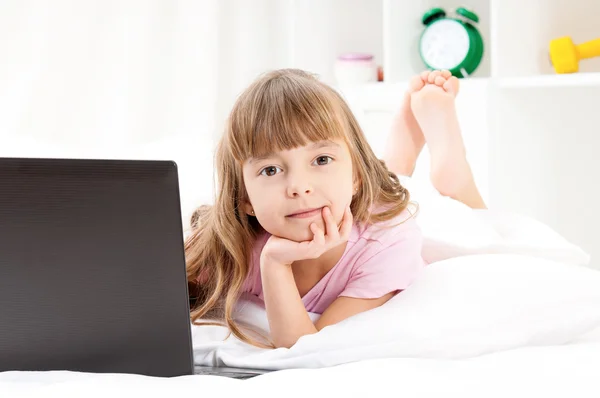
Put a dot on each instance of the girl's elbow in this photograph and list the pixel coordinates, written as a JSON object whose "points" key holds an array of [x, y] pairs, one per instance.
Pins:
{"points": [[285, 341], [290, 340]]}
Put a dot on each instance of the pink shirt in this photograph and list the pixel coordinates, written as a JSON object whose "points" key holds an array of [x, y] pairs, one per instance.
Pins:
{"points": [[377, 260]]}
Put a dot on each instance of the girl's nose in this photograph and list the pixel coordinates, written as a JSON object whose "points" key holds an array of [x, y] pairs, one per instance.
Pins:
{"points": [[299, 188]]}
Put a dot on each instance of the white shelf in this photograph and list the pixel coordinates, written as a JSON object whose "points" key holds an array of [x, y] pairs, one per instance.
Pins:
{"points": [[385, 97], [374, 97], [522, 32], [311, 34], [566, 80]]}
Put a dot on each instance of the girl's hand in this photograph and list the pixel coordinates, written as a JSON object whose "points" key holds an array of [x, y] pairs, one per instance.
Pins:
{"points": [[283, 251]]}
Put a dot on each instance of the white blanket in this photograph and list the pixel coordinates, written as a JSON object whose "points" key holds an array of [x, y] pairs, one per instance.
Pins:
{"points": [[458, 308]]}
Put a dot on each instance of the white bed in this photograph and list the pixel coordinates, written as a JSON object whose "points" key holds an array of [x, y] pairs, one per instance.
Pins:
{"points": [[560, 358], [555, 371], [507, 308], [560, 371]]}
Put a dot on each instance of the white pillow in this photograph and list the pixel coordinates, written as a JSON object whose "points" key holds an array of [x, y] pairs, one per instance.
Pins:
{"points": [[458, 308]]}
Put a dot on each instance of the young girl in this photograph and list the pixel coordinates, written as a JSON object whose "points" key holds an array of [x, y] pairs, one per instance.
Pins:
{"points": [[306, 217]]}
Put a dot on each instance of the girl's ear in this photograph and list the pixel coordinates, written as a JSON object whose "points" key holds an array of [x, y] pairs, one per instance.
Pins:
{"points": [[248, 208], [356, 181], [355, 186]]}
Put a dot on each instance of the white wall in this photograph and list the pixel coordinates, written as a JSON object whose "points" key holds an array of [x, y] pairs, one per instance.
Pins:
{"points": [[111, 78], [107, 72]]}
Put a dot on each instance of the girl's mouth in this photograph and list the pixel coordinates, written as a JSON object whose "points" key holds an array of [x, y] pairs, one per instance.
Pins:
{"points": [[306, 213]]}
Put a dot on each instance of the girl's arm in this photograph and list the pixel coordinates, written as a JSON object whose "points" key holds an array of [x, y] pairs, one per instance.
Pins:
{"points": [[345, 307], [288, 319]]}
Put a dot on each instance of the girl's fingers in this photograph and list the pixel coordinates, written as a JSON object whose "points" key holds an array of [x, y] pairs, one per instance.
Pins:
{"points": [[330, 226], [318, 235], [347, 222]]}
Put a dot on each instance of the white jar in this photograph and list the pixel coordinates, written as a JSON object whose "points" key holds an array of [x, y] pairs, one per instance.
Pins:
{"points": [[355, 68]]}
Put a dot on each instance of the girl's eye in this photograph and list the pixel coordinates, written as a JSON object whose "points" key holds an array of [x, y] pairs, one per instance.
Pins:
{"points": [[323, 160], [269, 171]]}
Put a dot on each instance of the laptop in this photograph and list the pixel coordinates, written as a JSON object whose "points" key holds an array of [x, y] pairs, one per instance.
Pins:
{"points": [[92, 269]]}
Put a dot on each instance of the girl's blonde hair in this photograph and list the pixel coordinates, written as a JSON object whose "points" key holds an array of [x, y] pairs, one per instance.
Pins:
{"points": [[281, 110]]}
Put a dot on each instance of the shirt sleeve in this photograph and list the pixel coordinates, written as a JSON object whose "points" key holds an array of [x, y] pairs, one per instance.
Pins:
{"points": [[387, 268]]}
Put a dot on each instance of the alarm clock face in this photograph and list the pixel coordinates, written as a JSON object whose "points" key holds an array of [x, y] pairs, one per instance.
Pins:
{"points": [[444, 44]]}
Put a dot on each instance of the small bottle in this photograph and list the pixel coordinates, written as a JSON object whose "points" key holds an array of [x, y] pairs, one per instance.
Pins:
{"points": [[355, 68]]}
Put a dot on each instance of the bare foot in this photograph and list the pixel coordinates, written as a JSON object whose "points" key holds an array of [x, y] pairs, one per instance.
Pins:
{"points": [[434, 109], [406, 140]]}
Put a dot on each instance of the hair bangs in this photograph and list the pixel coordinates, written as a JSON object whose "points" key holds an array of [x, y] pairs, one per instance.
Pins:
{"points": [[286, 112]]}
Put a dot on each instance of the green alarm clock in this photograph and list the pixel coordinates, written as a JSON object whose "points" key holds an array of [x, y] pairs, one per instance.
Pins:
{"points": [[448, 43]]}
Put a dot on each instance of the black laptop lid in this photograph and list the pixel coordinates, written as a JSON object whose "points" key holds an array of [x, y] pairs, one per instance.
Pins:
{"points": [[92, 269]]}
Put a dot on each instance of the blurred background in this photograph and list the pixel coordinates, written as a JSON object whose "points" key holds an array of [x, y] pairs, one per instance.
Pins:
{"points": [[156, 78]]}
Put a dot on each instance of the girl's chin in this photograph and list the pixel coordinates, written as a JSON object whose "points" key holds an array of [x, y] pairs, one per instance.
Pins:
{"points": [[301, 235]]}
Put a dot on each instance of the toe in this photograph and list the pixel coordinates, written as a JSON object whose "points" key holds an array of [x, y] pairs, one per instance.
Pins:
{"points": [[415, 84], [451, 85], [432, 76], [446, 74], [439, 81], [425, 75]]}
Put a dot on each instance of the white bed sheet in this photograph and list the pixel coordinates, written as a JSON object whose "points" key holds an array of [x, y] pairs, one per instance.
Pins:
{"points": [[553, 371]]}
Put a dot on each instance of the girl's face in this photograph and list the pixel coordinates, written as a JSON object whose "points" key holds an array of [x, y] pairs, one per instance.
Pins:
{"points": [[287, 190]]}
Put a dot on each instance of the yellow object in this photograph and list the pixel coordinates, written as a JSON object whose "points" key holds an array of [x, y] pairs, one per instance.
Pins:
{"points": [[565, 55]]}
